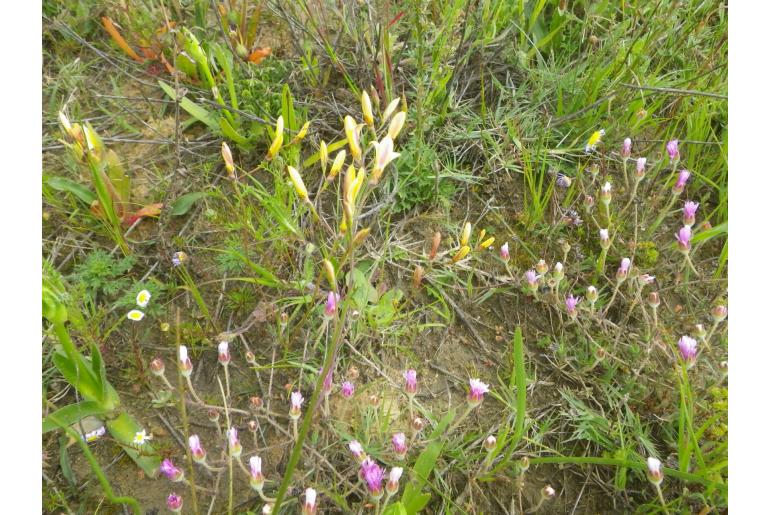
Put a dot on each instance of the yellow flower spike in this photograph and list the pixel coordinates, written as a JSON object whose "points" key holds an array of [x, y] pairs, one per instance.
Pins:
{"points": [[275, 146], [228, 158], [301, 134], [466, 234], [461, 253], [594, 140], [396, 124], [324, 156], [353, 133], [486, 243], [383, 156], [339, 160], [330, 275], [350, 177], [299, 184], [366, 109], [390, 110], [360, 236]]}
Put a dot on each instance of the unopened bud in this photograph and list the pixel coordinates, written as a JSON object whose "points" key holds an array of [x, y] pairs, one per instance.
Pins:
{"points": [[700, 331], [417, 276], [157, 367], [654, 471], [418, 424], [213, 415], [548, 492], [374, 400], [653, 299], [256, 403], [588, 203], [435, 245], [252, 425], [490, 443], [524, 464], [541, 267], [605, 194], [250, 358], [719, 312], [592, 294]]}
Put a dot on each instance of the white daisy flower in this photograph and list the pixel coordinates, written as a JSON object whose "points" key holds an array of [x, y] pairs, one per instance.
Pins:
{"points": [[135, 315], [143, 298]]}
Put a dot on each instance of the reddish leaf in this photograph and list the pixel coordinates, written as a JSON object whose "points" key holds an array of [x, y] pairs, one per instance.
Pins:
{"points": [[258, 54], [149, 210]]}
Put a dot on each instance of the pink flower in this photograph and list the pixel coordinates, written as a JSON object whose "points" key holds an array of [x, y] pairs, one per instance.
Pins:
{"points": [[604, 238], [233, 442], [393, 478], [170, 471], [331, 304], [588, 202], [626, 151], [605, 194], [373, 476], [357, 450], [640, 164], [654, 472], [681, 180], [197, 450], [683, 239], [672, 147], [688, 212], [688, 349], [296, 404], [719, 312], [256, 479], [476, 394], [505, 254], [531, 277], [224, 353], [571, 304], [347, 389], [399, 445], [411, 382], [625, 265], [174, 502]]}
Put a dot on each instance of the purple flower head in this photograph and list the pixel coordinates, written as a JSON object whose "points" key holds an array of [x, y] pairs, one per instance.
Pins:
{"points": [[672, 147], [331, 304], [531, 277], [174, 502], [197, 450], [625, 265], [681, 180], [688, 212], [411, 381], [184, 361], [626, 151], [688, 349], [373, 476], [178, 258], [170, 471], [347, 389], [296, 404], [683, 238], [399, 445], [234, 443], [505, 254], [256, 479], [641, 163], [477, 391], [571, 304]]}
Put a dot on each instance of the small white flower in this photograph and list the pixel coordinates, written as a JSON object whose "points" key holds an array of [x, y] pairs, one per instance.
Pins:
{"points": [[143, 298], [141, 437], [135, 315]]}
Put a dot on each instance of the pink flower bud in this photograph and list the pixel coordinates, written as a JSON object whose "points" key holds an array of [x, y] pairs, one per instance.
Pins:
{"points": [[719, 312], [197, 450], [170, 471], [373, 476], [688, 349], [654, 470], [605, 194], [234, 445], [331, 304], [157, 367], [588, 203], [571, 304], [296, 404], [532, 278], [681, 180], [626, 151], [309, 508], [683, 239], [256, 479], [604, 238], [541, 267], [184, 361], [622, 273], [347, 389], [224, 353], [505, 254], [640, 164], [393, 478], [174, 503], [490, 443], [411, 382], [548, 492], [477, 391], [688, 212], [399, 445], [653, 299], [357, 450], [328, 382], [672, 147], [418, 424]]}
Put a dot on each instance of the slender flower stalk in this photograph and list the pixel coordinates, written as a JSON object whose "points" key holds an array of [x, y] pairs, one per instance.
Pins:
{"points": [[224, 360], [158, 368], [604, 243], [296, 410], [655, 476], [186, 368]]}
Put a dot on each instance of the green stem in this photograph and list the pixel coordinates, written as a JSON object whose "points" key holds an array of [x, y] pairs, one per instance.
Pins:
{"points": [[662, 500], [183, 412]]}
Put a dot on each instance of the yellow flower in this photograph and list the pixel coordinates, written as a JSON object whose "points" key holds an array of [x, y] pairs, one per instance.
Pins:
{"points": [[383, 156], [353, 133], [366, 108], [302, 133], [228, 158], [594, 140], [486, 243], [390, 110], [275, 147], [461, 253], [466, 234], [299, 184], [396, 124], [339, 160]]}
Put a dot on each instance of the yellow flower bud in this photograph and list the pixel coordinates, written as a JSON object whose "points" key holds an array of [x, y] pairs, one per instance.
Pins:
{"points": [[461, 253], [299, 185], [324, 155], [466, 234], [353, 133], [302, 133], [330, 275], [275, 147], [228, 158], [396, 124], [390, 110], [339, 160], [366, 108], [360, 236], [486, 243]]}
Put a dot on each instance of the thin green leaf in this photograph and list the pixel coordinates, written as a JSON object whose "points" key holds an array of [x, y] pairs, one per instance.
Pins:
{"points": [[184, 203], [80, 191]]}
